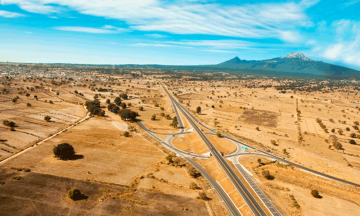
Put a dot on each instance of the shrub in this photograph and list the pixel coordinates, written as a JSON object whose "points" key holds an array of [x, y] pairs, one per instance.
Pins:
{"points": [[315, 193], [218, 134], [353, 135], [202, 195], [74, 194], [352, 142], [28, 104], [9, 123], [198, 110], [141, 108], [64, 151], [267, 175], [47, 118], [117, 101], [174, 122], [124, 96], [273, 142], [337, 145], [126, 134], [257, 128], [194, 172], [153, 117]]}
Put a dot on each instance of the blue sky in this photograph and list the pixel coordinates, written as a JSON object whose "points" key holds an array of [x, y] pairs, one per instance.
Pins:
{"points": [[178, 32]]}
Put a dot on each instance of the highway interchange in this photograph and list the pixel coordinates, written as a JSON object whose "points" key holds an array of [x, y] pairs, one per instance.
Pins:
{"points": [[251, 201]]}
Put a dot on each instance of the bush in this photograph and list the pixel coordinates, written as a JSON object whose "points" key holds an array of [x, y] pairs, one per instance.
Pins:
{"points": [[47, 118], [257, 128], [202, 195], [28, 104], [9, 123], [218, 134], [126, 134], [64, 151], [198, 110], [153, 117], [124, 96], [141, 108], [273, 142], [117, 101], [74, 194], [194, 172], [353, 142], [337, 145], [315, 193], [353, 135], [174, 122], [267, 175]]}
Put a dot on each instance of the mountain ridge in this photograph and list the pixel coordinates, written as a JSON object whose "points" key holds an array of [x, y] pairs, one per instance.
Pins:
{"points": [[292, 63]]}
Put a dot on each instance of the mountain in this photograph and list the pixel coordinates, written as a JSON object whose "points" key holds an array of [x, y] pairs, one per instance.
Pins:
{"points": [[296, 63]]}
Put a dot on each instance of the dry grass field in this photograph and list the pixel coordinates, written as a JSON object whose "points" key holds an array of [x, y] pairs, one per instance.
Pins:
{"points": [[337, 198]]}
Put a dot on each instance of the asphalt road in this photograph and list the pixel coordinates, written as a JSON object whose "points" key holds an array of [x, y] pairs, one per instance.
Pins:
{"points": [[227, 201], [276, 157], [245, 193]]}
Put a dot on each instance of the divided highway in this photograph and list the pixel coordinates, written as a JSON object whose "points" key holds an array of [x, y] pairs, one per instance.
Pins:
{"points": [[245, 193]]}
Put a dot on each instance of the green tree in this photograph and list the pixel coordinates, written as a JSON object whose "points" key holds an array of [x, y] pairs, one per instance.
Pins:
{"points": [[153, 117], [174, 122], [47, 118], [64, 151], [198, 110], [315, 193]]}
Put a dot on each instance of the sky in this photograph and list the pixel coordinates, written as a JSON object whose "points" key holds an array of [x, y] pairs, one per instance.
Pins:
{"points": [[182, 32]]}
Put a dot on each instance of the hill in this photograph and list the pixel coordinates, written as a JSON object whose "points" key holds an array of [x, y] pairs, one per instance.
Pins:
{"points": [[296, 63]]}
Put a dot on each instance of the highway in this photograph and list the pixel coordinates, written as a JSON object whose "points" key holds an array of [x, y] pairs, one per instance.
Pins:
{"points": [[274, 156], [226, 199], [245, 193]]}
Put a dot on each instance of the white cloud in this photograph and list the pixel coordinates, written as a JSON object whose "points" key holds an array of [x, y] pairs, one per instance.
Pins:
{"points": [[104, 30], [271, 20], [219, 51], [8, 14], [346, 47], [207, 45], [156, 35]]}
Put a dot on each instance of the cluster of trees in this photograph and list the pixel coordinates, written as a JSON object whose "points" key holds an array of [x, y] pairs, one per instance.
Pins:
{"points": [[125, 114], [94, 108], [322, 125]]}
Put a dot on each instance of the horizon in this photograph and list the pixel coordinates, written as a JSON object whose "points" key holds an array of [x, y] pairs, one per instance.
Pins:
{"points": [[154, 32]]}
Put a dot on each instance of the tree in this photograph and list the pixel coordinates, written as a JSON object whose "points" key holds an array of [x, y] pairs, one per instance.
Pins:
{"points": [[198, 110], [315, 193], [218, 134], [141, 108], [212, 106], [14, 100], [107, 101], [64, 151], [257, 128], [174, 122], [273, 142], [123, 105], [47, 118], [194, 172], [337, 145], [353, 135], [94, 108], [353, 142], [9, 123], [126, 134], [28, 104], [124, 96], [74, 194], [153, 117], [117, 101], [126, 114]]}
